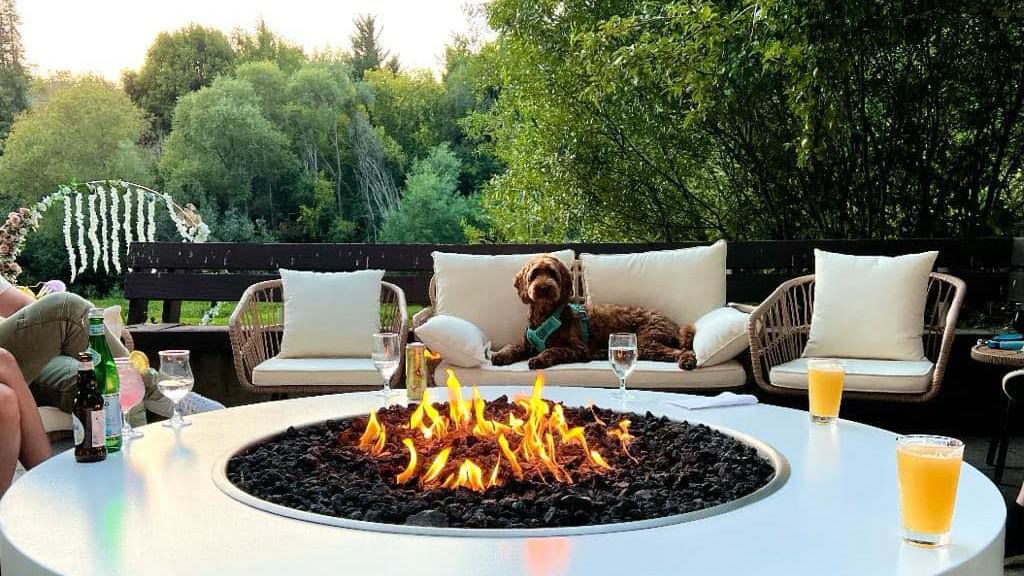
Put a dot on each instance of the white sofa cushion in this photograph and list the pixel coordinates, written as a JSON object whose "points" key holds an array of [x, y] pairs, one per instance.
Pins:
{"points": [[894, 376], [330, 315], [721, 335], [869, 306], [682, 284], [481, 289], [279, 371], [648, 374], [458, 341]]}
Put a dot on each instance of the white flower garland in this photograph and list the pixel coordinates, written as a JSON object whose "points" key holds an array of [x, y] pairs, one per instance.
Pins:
{"points": [[127, 218], [105, 246], [140, 220], [94, 239], [67, 238], [83, 260], [115, 244], [151, 231]]}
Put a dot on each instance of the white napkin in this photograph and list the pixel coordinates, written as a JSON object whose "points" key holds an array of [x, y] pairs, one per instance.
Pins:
{"points": [[693, 402]]}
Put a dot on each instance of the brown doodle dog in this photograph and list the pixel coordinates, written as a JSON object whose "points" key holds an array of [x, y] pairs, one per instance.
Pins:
{"points": [[545, 283]]}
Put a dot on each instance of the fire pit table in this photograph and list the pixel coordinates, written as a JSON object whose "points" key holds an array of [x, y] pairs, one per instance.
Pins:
{"points": [[162, 506]]}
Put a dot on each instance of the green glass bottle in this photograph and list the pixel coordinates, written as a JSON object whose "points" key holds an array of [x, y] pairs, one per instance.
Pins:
{"points": [[106, 379]]}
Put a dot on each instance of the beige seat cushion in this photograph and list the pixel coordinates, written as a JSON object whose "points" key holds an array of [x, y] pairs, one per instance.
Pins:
{"points": [[481, 290], [648, 374], [54, 420], [891, 376], [316, 372]]}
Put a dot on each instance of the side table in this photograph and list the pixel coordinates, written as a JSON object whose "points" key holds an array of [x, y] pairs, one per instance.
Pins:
{"points": [[1011, 360]]}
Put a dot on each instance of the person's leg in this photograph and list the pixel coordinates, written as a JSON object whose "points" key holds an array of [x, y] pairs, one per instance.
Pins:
{"points": [[10, 436], [55, 325], [57, 383], [35, 446]]}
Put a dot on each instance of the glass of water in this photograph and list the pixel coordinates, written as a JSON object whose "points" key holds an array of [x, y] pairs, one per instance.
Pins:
{"points": [[175, 382], [622, 357], [386, 351]]}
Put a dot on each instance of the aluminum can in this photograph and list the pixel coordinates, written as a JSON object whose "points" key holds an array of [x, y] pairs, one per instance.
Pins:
{"points": [[416, 369]]}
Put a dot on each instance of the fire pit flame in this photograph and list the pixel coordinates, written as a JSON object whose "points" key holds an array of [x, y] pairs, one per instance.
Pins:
{"points": [[547, 447]]}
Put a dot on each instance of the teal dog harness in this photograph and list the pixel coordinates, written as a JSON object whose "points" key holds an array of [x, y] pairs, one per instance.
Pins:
{"points": [[538, 337]]}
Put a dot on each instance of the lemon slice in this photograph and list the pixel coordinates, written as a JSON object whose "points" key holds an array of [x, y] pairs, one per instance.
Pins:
{"points": [[139, 361]]}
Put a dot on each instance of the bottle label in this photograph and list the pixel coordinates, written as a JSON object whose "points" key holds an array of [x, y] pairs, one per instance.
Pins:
{"points": [[112, 411], [96, 329], [97, 429], [79, 430]]}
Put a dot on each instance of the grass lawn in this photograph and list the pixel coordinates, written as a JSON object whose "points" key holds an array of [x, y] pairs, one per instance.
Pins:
{"points": [[192, 312]]}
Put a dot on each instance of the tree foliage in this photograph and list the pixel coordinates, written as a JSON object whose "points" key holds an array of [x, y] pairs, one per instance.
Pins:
{"points": [[85, 129], [431, 209], [263, 45], [14, 78], [178, 63], [679, 120], [224, 154], [367, 53]]}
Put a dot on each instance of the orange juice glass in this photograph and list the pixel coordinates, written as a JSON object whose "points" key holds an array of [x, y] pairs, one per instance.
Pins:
{"points": [[928, 471], [824, 389]]}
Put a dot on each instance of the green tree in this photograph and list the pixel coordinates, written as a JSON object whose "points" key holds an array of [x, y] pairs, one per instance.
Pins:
{"points": [[367, 53], [431, 209], [14, 78], [223, 154], [86, 129], [178, 63], [270, 84], [672, 120], [263, 45], [320, 99], [321, 220]]}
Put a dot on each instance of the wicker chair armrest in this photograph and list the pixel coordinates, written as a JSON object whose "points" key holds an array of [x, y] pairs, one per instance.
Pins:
{"points": [[254, 329], [778, 327], [949, 292], [395, 320], [420, 318]]}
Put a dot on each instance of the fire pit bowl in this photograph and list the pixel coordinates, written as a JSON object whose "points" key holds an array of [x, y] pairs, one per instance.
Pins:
{"points": [[366, 455]]}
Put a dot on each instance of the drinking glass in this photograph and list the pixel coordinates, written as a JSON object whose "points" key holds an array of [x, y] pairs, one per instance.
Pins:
{"points": [[132, 392], [928, 471], [175, 382], [386, 351], [824, 389], [622, 357]]}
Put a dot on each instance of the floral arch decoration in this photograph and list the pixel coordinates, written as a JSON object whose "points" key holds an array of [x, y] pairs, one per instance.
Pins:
{"points": [[99, 217]]}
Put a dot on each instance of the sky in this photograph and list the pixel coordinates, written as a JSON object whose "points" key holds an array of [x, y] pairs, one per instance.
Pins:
{"points": [[108, 36]]}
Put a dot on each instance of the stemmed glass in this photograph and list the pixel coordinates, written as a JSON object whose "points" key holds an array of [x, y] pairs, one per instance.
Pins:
{"points": [[386, 350], [175, 382], [132, 392], [622, 357]]}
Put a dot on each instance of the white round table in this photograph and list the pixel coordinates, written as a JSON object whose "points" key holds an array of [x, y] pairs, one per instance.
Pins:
{"points": [[154, 509]]}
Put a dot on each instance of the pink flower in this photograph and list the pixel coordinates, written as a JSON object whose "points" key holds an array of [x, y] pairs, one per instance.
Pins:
{"points": [[5, 249], [23, 211], [14, 219]]}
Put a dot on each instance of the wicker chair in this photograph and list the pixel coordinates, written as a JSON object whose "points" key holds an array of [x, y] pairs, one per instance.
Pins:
{"points": [[257, 324], [780, 326]]}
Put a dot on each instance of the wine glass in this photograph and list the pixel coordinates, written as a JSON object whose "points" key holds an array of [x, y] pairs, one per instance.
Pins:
{"points": [[622, 357], [132, 392], [385, 357], [175, 382]]}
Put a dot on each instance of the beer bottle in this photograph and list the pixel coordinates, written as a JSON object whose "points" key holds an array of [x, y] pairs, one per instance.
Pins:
{"points": [[106, 378], [88, 419]]}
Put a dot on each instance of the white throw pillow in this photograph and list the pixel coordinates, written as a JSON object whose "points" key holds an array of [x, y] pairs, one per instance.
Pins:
{"points": [[330, 315], [481, 290], [869, 306], [682, 284], [721, 336], [458, 341]]}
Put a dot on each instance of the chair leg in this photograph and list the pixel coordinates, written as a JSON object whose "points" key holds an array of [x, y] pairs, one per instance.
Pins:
{"points": [[1004, 442], [998, 431]]}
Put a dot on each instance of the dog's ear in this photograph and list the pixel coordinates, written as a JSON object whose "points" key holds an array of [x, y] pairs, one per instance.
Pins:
{"points": [[522, 282], [564, 280]]}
